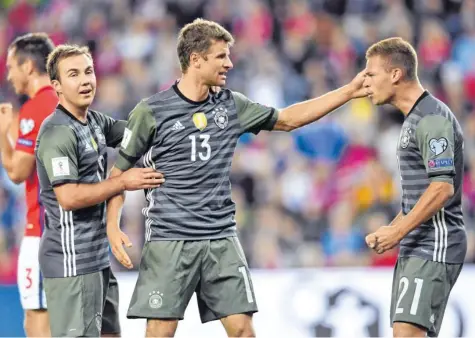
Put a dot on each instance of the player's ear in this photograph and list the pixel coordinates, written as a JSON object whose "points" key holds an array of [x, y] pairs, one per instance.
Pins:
{"points": [[195, 60], [396, 75], [28, 66], [57, 86]]}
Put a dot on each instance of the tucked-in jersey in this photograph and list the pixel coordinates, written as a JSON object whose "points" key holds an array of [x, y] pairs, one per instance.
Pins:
{"points": [[32, 114], [430, 149], [193, 144], [70, 151]]}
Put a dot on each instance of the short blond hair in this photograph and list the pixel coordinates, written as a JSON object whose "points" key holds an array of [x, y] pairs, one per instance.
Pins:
{"points": [[197, 37], [62, 52], [398, 53]]}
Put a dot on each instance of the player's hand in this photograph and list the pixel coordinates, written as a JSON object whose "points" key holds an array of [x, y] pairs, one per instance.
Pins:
{"points": [[384, 239], [215, 89], [118, 240], [356, 85], [6, 117], [141, 178]]}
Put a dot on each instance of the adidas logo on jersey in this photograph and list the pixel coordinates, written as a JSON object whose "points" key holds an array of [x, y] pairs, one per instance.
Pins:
{"points": [[178, 126]]}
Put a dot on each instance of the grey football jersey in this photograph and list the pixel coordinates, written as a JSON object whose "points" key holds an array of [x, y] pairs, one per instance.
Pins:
{"points": [[193, 144], [69, 151], [430, 149]]}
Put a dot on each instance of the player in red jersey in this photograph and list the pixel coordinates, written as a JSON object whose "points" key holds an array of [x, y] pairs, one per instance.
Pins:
{"points": [[26, 65]]}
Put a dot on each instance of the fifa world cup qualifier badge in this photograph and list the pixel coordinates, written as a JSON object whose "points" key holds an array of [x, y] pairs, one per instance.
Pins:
{"points": [[221, 117], [405, 138]]}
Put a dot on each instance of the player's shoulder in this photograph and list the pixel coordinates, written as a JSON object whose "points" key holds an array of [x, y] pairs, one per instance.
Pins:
{"points": [[159, 98], [41, 105], [56, 122], [430, 106]]}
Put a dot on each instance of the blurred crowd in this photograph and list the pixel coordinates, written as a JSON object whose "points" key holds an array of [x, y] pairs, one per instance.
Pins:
{"points": [[306, 198]]}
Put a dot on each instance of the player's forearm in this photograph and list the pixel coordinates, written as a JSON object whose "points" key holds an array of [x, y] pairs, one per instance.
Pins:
{"points": [[303, 113], [114, 206], [77, 196], [396, 219], [433, 199]]}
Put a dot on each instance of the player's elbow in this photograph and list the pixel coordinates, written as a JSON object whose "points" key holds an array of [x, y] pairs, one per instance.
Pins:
{"points": [[285, 122], [15, 177], [445, 190]]}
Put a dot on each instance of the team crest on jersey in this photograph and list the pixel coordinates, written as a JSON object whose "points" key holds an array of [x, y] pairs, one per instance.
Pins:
{"points": [[26, 126], [221, 117], [405, 137], [200, 121]]}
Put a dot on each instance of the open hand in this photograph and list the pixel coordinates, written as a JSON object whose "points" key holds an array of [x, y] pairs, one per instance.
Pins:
{"points": [[141, 178], [357, 87], [117, 240]]}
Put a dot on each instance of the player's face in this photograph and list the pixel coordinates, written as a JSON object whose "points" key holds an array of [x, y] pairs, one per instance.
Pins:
{"points": [[77, 81], [17, 75], [217, 64], [378, 81]]}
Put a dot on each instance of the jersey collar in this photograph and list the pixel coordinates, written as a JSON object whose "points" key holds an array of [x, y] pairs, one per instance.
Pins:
{"points": [[423, 95], [64, 110], [183, 97]]}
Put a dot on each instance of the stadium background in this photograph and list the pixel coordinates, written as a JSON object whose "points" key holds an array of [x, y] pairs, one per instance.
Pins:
{"points": [[305, 200]]}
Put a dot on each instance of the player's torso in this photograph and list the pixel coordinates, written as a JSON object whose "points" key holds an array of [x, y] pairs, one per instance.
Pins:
{"points": [[76, 240], [193, 147], [440, 238], [43, 104]]}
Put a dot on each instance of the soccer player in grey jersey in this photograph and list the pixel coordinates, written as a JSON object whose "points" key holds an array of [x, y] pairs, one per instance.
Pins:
{"points": [[191, 133], [430, 226], [71, 165]]}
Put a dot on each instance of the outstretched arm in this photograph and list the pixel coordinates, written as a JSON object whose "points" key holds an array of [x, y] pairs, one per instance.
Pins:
{"points": [[303, 113]]}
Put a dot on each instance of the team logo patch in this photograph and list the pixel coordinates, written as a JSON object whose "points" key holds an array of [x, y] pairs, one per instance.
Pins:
{"points": [[155, 300], [126, 138], [26, 126], [221, 117], [438, 146], [440, 163], [200, 121], [60, 166], [405, 138]]}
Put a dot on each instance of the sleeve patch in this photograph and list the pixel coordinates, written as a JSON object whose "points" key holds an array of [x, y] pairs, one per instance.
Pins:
{"points": [[25, 142], [26, 126], [438, 146], [126, 138], [60, 166], [440, 163]]}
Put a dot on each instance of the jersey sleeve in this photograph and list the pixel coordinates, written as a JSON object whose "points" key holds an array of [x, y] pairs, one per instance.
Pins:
{"points": [[60, 159], [254, 117], [28, 128], [137, 137], [435, 139], [113, 129]]}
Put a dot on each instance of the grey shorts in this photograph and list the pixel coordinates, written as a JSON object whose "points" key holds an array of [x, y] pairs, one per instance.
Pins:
{"points": [[83, 306], [171, 271], [420, 292]]}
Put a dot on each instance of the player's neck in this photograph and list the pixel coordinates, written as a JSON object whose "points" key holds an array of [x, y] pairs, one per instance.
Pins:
{"points": [[36, 83], [192, 88], [80, 113], [407, 96]]}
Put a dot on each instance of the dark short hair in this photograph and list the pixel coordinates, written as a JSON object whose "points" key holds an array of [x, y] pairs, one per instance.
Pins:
{"points": [[197, 37], [33, 46], [398, 53], [63, 52]]}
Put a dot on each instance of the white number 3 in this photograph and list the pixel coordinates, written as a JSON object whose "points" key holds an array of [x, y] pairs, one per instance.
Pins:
{"points": [[206, 153]]}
